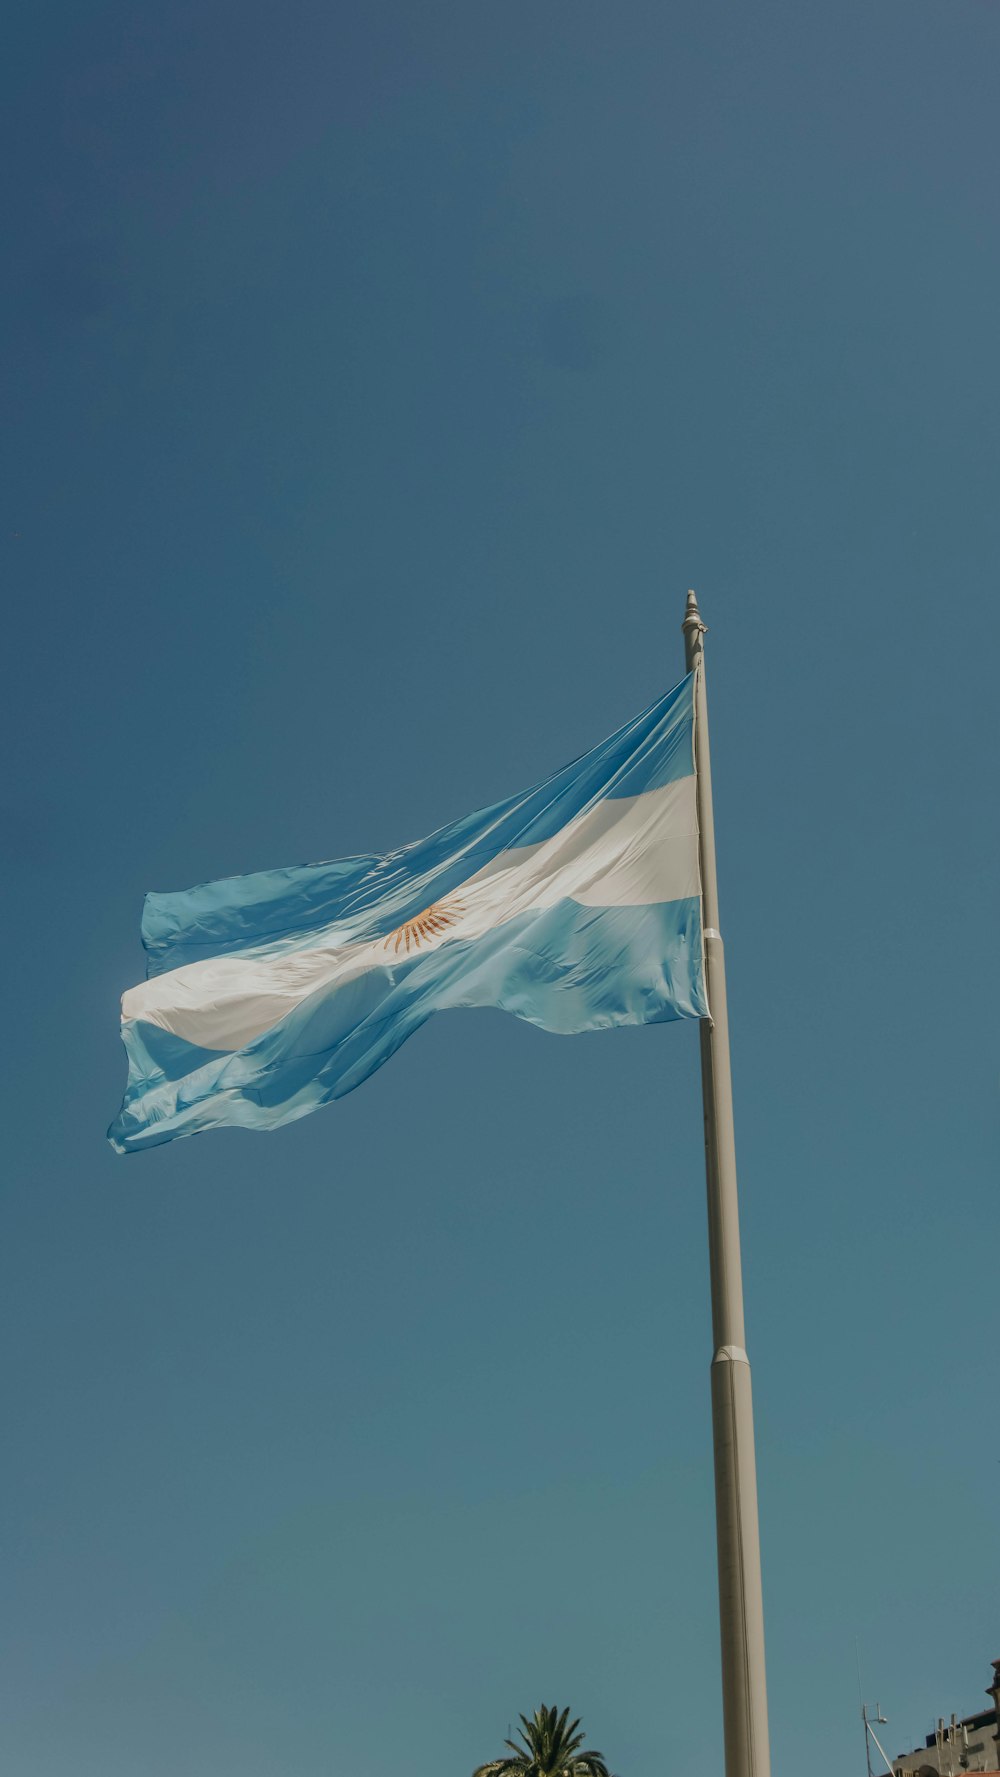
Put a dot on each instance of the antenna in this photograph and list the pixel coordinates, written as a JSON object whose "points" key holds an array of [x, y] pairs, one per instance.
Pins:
{"points": [[864, 1712], [871, 1721]]}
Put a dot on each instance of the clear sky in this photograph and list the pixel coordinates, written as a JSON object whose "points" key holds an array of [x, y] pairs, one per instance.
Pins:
{"points": [[378, 378]]}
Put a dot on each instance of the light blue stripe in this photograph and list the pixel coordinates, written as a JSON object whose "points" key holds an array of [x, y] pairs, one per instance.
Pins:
{"points": [[372, 895], [570, 968]]}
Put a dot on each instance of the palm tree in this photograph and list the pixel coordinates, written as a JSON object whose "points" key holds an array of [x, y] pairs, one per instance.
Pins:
{"points": [[551, 1749]]}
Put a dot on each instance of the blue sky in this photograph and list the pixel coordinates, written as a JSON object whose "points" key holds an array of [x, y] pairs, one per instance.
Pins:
{"points": [[377, 381]]}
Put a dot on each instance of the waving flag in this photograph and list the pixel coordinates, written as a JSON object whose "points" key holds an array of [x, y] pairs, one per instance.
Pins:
{"points": [[575, 905]]}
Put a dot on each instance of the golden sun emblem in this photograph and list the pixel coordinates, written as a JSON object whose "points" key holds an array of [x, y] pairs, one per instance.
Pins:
{"points": [[430, 924]]}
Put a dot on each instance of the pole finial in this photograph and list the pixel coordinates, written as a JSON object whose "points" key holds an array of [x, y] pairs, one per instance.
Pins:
{"points": [[692, 615], [694, 629]]}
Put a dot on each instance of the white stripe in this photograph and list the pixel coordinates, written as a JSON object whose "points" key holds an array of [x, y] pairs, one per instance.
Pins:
{"points": [[624, 852]]}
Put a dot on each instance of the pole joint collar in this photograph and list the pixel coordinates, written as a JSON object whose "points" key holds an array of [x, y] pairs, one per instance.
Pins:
{"points": [[730, 1354]]}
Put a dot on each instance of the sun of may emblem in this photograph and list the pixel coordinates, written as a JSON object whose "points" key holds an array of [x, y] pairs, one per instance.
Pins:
{"points": [[430, 924]]}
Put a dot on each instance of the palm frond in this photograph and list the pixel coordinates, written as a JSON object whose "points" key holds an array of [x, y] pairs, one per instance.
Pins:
{"points": [[552, 1748]]}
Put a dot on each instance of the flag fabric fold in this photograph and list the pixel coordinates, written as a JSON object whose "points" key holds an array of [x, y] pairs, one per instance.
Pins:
{"points": [[575, 906]]}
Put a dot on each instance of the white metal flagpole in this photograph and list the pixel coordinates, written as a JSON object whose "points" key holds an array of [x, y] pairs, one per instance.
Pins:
{"points": [[741, 1609]]}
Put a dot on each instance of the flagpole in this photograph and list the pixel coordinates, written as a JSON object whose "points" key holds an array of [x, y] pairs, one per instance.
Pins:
{"points": [[741, 1610]]}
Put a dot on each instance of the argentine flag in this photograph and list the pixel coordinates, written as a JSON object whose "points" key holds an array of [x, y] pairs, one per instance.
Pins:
{"points": [[575, 905]]}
